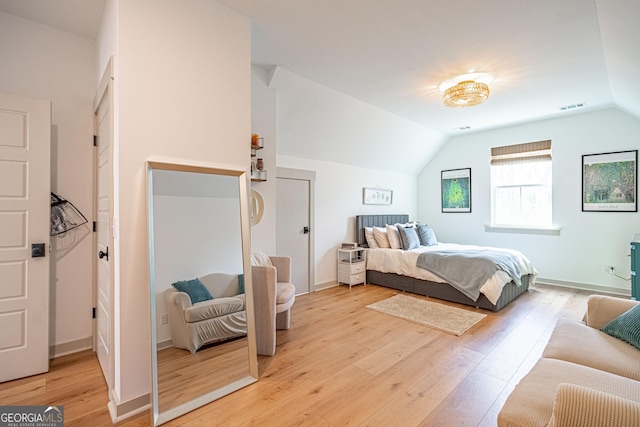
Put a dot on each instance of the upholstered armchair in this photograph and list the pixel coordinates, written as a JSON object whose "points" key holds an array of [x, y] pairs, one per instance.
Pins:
{"points": [[273, 297], [196, 324]]}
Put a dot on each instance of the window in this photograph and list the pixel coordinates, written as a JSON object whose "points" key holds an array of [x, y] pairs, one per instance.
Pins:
{"points": [[521, 185]]}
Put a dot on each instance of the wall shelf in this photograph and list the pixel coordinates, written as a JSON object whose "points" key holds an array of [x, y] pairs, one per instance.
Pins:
{"points": [[257, 143]]}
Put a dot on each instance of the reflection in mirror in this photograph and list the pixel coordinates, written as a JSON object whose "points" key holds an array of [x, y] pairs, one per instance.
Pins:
{"points": [[202, 347]]}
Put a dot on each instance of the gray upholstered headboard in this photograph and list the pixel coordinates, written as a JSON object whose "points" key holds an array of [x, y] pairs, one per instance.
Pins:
{"points": [[375, 221]]}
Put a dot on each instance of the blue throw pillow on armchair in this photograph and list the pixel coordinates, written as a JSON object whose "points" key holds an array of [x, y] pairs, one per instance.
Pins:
{"points": [[194, 288]]}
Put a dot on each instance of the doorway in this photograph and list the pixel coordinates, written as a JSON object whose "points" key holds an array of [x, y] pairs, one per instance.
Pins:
{"points": [[295, 224], [103, 326]]}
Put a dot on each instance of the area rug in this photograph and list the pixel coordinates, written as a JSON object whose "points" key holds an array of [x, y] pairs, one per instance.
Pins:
{"points": [[434, 315]]}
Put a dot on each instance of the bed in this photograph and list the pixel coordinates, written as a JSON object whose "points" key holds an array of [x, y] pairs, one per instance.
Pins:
{"points": [[396, 269]]}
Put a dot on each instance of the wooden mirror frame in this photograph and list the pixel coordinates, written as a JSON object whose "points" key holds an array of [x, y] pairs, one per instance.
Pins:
{"points": [[159, 417]]}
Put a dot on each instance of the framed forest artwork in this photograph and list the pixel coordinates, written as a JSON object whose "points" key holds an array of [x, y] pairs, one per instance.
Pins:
{"points": [[609, 182], [455, 185]]}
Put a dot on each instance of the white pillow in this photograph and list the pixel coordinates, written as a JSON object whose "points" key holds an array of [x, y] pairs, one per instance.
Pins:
{"points": [[261, 260], [380, 235], [371, 240], [394, 237]]}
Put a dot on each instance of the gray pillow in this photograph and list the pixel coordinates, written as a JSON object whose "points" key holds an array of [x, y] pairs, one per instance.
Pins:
{"points": [[426, 235], [408, 238]]}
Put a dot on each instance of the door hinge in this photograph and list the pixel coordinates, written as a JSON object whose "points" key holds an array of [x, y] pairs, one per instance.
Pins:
{"points": [[93, 312], [95, 226], [95, 140]]}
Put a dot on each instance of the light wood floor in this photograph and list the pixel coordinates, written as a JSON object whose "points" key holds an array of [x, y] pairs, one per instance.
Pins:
{"points": [[343, 364]]}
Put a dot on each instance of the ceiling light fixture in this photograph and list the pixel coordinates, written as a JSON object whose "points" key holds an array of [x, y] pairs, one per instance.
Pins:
{"points": [[467, 93]]}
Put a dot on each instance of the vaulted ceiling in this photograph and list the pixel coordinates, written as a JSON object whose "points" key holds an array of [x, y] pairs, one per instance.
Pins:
{"points": [[543, 54]]}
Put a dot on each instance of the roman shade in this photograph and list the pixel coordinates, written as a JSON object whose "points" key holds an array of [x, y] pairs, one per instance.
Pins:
{"points": [[521, 153]]}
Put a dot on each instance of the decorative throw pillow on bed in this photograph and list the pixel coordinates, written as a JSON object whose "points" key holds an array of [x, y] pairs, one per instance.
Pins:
{"points": [[380, 235], [409, 238], [195, 289], [626, 327], [394, 237], [371, 240], [426, 235]]}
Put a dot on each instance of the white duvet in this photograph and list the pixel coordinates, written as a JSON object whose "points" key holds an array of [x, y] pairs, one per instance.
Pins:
{"points": [[404, 263]]}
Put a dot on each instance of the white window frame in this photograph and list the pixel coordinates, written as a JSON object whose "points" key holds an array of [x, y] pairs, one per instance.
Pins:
{"points": [[514, 154]]}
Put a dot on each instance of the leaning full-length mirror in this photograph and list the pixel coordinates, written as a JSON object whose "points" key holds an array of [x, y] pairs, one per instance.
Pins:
{"points": [[202, 335]]}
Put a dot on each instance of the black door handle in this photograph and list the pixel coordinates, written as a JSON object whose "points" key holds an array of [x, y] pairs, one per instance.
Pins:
{"points": [[37, 250], [104, 254], [305, 230]]}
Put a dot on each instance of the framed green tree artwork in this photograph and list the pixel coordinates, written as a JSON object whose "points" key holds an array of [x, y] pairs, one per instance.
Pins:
{"points": [[455, 185], [609, 182]]}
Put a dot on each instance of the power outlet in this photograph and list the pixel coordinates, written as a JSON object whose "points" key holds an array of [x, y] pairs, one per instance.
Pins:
{"points": [[164, 318]]}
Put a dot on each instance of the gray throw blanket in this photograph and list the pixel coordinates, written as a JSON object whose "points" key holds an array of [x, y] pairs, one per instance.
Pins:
{"points": [[467, 270]]}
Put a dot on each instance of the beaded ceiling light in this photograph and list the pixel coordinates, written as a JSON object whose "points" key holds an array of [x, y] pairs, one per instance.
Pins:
{"points": [[465, 94]]}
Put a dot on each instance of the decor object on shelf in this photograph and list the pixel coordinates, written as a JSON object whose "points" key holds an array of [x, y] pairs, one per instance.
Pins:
{"points": [[609, 182], [377, 196], [466, 94], [455, 185], [257, 167]]}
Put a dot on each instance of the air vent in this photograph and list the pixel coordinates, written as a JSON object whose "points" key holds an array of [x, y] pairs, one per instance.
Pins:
{"points": [[572, 106]]}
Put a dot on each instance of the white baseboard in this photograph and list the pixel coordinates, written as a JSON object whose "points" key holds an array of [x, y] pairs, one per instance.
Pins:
{"points": [[325, 285], [70, 347], [123, 410], [585, 286], [164, 344]]}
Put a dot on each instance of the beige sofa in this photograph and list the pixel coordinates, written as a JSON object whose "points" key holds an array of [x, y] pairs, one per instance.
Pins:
{"points": [[206, 322], [584, 378]]}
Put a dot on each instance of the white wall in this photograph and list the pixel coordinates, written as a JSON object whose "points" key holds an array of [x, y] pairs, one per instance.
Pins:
{"points": [[338, 199], [46, 63], [289, 113], [183, 94], [193, 236], [263, 122], [588, 242]]}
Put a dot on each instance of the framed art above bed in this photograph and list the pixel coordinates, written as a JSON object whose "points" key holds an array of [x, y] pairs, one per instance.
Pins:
{"points": [[377, 196]]}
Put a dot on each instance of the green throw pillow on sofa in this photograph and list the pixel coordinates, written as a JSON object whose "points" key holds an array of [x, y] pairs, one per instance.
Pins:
{"points": [[195, 289], [626, 327], [240, 283]]}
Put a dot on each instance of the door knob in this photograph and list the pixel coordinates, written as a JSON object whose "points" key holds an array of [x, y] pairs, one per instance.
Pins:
{"points": [[104, 254], [37, 250]]}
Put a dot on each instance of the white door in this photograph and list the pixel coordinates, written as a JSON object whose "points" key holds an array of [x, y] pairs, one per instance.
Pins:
{"points": [[25, 137], [103, 335], [293, 228]]}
